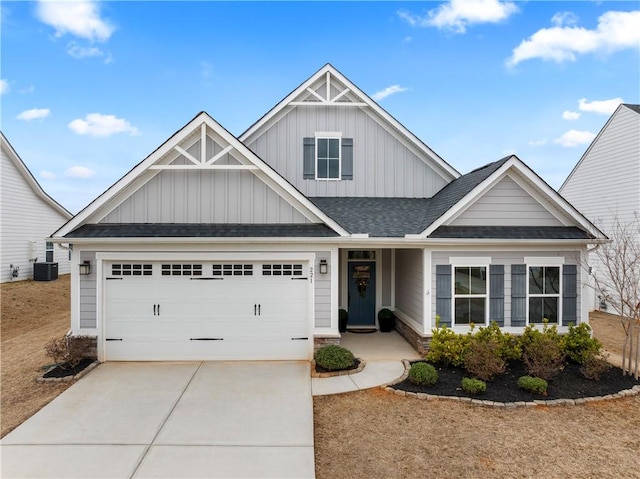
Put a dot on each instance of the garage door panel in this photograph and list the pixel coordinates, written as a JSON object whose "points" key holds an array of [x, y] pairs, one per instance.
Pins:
{"points": [[242, 315]]}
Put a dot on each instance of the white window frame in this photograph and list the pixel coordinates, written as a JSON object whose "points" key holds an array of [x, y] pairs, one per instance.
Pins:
{"points": [[552, 262], [49, 248], [329, 135], [469, 263]]}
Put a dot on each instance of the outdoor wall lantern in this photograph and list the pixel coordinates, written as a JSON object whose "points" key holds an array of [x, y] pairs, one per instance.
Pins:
{"points": [[85, 267], [324, 267]]}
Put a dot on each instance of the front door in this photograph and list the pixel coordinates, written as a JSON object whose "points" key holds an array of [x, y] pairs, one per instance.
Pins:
{"points": [[362, 294]]}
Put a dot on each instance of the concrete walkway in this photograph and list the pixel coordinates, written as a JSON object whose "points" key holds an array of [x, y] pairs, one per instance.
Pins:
{"points": [[383, 354], [173, 420]]}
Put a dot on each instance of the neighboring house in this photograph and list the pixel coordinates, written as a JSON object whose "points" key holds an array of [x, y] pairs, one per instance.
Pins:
{"points": [[27, 217], [217, 247], [605, 184]]}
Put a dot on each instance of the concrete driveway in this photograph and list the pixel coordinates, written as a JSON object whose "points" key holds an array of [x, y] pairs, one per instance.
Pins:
{"points": [[173, 420]]}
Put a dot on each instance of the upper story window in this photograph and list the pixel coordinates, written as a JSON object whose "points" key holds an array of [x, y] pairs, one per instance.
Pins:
{"points": [[328, 156]]}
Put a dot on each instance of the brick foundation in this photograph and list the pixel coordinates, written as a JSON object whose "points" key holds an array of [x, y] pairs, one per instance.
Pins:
{"points": [[318, 342], [417, 342]]}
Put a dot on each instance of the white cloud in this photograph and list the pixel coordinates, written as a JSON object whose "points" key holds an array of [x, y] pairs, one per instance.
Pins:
{"points": [[541, 142], [390, 90], [34, 114], [565, 41], [29, 89], [564, 18], [575, 138], [604, 107], [47, 175], [456, 15], [79, 52], [570, 115], [4, 86], [80, 172], [80, 18], [97, 124]]}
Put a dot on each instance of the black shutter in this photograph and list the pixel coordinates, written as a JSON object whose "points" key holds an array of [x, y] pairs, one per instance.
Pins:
{"points": [[496, 294], [569, 294], [518, 294], [309, 159], [347, 159], [443, 294]]}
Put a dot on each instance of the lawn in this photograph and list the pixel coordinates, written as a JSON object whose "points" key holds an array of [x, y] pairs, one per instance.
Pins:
{"points": [[373, 434]]}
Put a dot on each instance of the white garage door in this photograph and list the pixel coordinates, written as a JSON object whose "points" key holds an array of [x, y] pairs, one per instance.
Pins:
{"points": [[206, 310]]}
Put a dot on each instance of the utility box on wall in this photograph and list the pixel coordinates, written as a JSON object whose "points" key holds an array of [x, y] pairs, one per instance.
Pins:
{"points": [[45, 271]]}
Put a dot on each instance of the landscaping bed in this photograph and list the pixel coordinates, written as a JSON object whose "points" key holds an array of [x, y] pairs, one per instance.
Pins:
{"points": [[568, 384]]}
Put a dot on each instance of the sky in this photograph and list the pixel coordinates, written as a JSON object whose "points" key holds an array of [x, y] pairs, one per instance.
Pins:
{"points": [[89, 89]]}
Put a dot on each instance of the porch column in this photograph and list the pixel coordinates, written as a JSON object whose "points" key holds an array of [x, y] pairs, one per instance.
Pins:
{"points": [[334, 269]]}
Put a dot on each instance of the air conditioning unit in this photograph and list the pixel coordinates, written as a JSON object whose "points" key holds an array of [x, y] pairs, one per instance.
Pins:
{"points": [[45, 271]]}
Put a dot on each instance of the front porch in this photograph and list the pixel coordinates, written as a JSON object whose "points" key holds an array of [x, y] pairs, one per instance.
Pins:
{"points": [[378, 346]]}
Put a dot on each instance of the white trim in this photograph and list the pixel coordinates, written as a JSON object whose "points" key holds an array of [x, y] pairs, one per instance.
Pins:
{"points": [[426, 291], [272, 179], [328, 158], [393, 279], [364, 101], [544, 260], [328, 134], [334, 271], [470, 261], [204, 166], [539, 263], [486, 294]]}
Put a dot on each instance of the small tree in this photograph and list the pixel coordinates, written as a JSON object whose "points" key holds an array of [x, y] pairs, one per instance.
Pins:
{"points": [[620, 260]]}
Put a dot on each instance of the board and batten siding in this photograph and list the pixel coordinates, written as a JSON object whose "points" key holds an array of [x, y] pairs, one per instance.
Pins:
{"points": [[382, 165], [205, 196], [506, 258], [409, 284], [606, 182], [506, 204], [322, 291], [27, 219]]}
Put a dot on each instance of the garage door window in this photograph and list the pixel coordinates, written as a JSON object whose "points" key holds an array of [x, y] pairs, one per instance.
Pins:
{"points": [[282, 270], [131, 269], [181, 270], [233, 270]]}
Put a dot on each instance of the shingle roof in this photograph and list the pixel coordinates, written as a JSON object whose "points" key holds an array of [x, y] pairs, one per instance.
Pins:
{"points": [[198, 230], [396, 217], [635, 108], [511, 232]]}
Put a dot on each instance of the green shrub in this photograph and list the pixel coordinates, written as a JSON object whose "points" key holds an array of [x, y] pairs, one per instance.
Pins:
{"points": [[533, 385], [423, 374], [508, 344], [542, 351], [595, 366], [334, 358], [579, 345], [447, 347], [482, 358], [473, 386]]}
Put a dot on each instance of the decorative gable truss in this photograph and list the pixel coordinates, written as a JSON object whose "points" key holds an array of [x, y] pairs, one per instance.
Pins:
{"points": [[202, 174]]}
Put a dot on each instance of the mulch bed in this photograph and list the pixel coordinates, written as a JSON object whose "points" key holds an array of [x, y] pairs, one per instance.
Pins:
{"points": [[63, 371], [568, 384]]}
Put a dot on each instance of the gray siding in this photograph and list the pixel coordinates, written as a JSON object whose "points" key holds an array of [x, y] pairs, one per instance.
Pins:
{"points": [[507, 259], [382, 165], [409, 283], [322, 292], [88, 293], [204, 196], [506, 204], [26, 219]]}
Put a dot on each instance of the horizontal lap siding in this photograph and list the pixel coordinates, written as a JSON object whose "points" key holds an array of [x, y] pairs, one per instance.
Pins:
{"points": [[88, 293], [506, 204], [382, 165], [507, 259], [607, 180], [409, 283], [26, 218]]}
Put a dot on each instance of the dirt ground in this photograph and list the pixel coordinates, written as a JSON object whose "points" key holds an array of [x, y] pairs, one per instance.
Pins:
{"points": [[33, 312], [608, 329], [373, 434]]}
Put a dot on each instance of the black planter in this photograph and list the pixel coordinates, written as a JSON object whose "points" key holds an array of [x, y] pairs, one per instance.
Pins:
{"points": [[343, 318], [386, 320]]}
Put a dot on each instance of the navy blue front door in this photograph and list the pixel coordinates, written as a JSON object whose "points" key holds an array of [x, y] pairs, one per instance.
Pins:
{"points": [[362, 293]]}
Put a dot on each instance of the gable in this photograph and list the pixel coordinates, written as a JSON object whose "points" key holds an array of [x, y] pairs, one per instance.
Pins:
{"points": [[202, 174], [387, 160], [506, 204]]}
